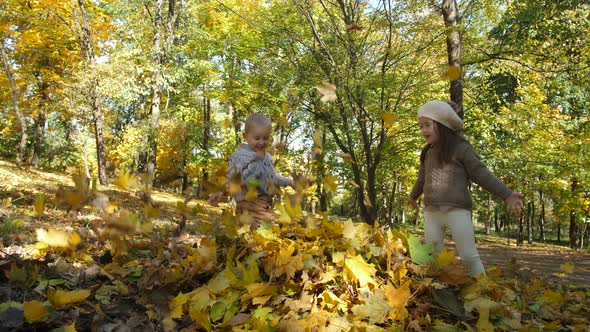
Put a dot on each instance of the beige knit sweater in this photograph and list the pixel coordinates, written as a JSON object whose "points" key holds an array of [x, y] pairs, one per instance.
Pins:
{"points": [[447, 185]]}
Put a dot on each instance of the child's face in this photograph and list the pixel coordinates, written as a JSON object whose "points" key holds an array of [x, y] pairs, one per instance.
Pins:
{"points": [[428, 129], [257, 137]]}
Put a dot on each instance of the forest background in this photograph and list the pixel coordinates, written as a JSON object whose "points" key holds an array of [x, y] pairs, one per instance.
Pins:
{"points": [[116, 87]]}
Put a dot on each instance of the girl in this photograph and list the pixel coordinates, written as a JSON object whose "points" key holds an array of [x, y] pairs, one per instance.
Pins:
{"points": [[447, 164]]}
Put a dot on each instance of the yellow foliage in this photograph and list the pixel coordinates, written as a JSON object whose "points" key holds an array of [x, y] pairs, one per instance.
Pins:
{"points": [[355, 268], [60, 298], [39, 204], [330, 183], [53, 238], [35, 311], [388, 119], [445, 258]]}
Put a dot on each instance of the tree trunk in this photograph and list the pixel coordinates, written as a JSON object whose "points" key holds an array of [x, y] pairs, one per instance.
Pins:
{"points": [[488, 220], [94, 98], [320, 174], [573, 226], [531, 222], [520, 235], [39, 133], [391, 202], [158, 56], [451, 18], [542, 218], [20, 155], [206, 130]]}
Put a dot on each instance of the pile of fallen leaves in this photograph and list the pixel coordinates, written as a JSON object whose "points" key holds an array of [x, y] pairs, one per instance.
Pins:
{"points": [[119, 272]]}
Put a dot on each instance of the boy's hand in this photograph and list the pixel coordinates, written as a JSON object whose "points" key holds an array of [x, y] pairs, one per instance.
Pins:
{"points": [[413, 204], [514, 202], [215, 198]]}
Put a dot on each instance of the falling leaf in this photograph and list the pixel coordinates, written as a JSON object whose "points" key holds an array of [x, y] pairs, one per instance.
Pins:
{"points": [[420, 253], [60, 298], [354, 27], [39, 204], [35, 311], [567, 267], [354, 184], [151, 211], [453, 73], [330, 183], [346, 157], [327, 91], [317, 138], [388, 119], [367, 201], [226, 124], [236, 184], [124, 181], [56, 239], [445, 258]]}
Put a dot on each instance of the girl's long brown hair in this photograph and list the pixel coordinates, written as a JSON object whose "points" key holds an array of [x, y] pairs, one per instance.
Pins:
{"points": [[447, 141]]}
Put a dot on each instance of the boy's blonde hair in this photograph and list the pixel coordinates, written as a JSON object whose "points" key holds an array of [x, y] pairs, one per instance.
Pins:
{"points": [[257, 119]]}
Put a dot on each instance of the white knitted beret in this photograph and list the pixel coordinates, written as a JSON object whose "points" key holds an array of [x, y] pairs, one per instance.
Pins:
{"points": [[442, 112]]}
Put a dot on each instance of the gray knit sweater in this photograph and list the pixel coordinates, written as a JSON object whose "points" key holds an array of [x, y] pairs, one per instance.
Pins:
{"points": [[447, 185], [255, 169]]}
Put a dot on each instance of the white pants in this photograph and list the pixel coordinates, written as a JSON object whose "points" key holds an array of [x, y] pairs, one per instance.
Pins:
{"points": [[459, 222]]}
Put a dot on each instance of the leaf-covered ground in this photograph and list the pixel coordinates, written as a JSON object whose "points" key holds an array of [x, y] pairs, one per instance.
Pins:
{"points": [[116, 260]]}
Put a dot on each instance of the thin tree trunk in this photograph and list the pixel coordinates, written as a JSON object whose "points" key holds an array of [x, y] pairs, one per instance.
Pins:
{"points": [[573, 226], [391, 202], [451, 18], [20, 155], [157, 88], [39, 133], [531, 222], [542, 218], [206, 130], [97, 113]]}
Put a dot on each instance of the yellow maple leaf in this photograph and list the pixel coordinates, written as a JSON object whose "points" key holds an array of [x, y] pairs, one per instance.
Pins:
{"points": [[388, 119], [35, 311], [551, 297], [150, 211], [236, 184], [330, 183], [177, 303], [397, 297], [124, 180], [201, 317], [445, 257], [357, 269], [346, 157], [39, 204], [56, 238], [453, 73], [367, 201], [60, 298], [252, 193], [328, 92], [226, 124], [567, 267]]}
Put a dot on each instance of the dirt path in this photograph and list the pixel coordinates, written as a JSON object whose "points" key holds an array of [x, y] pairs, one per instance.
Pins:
{"points": [[545, 261]]}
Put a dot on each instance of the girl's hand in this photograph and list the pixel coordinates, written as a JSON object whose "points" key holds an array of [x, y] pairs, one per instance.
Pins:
{"points": [[413, 204], [514, 202], [215, 198]]}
